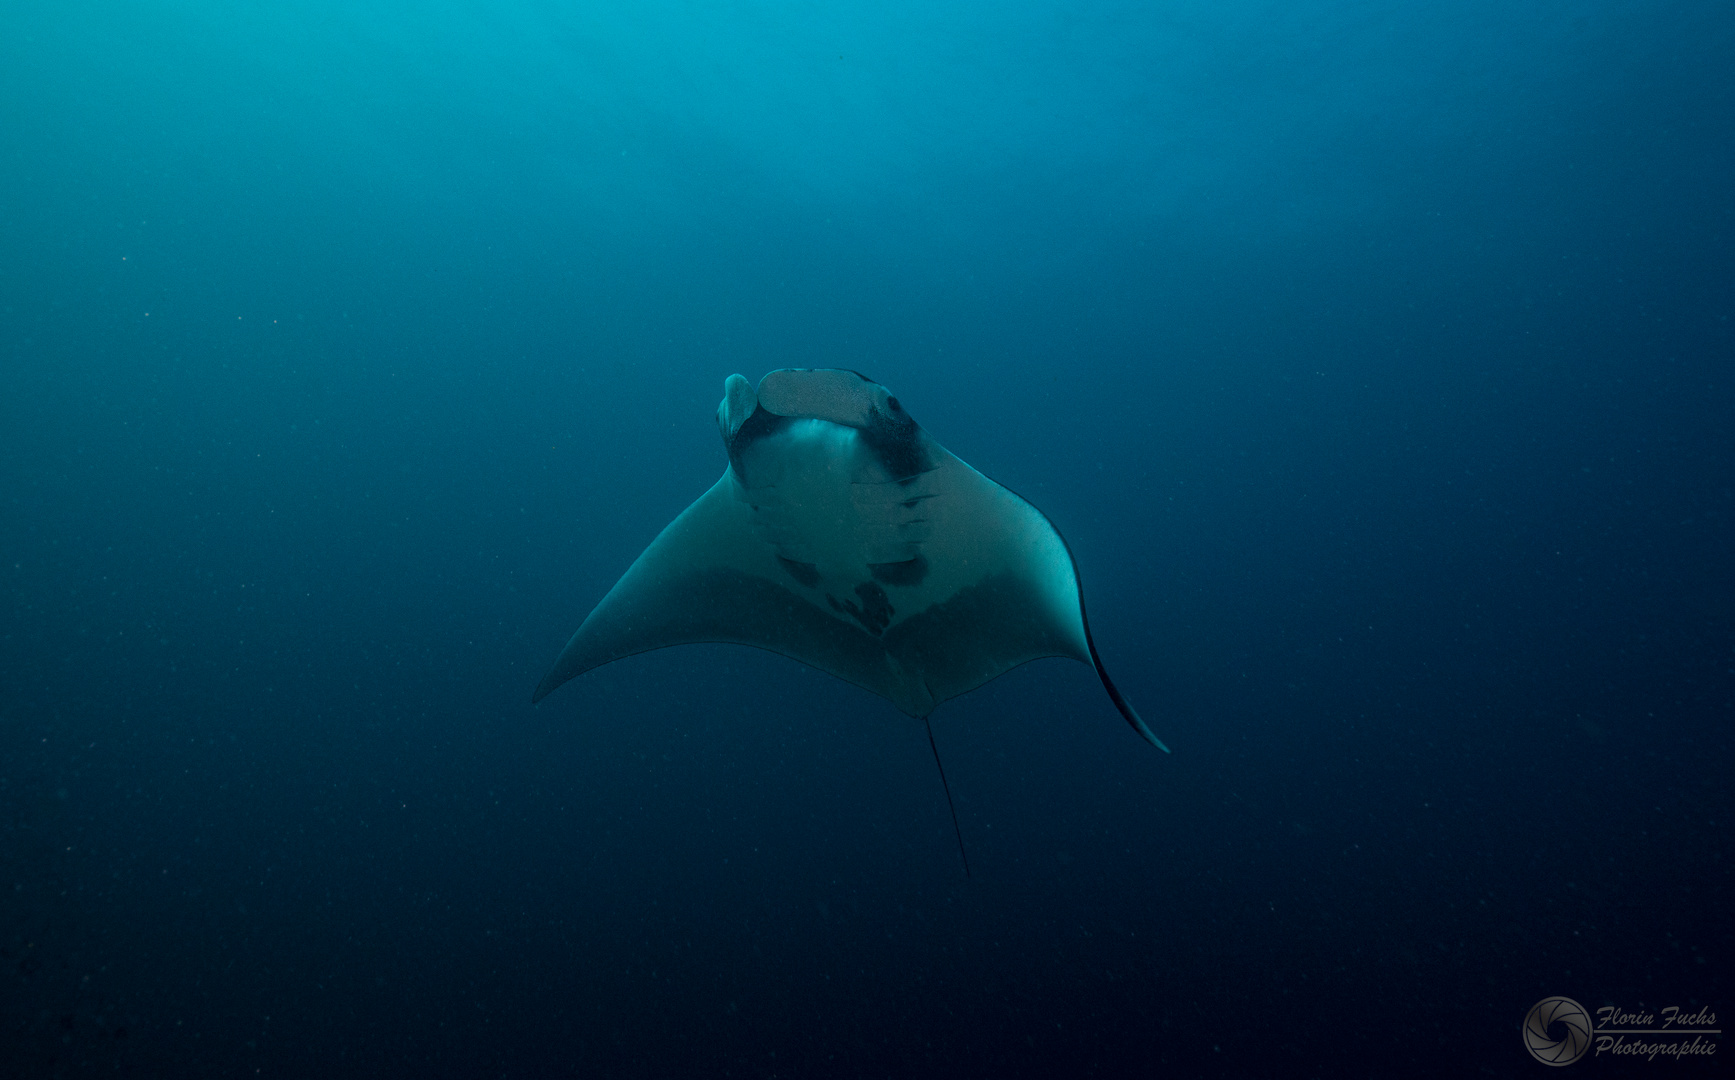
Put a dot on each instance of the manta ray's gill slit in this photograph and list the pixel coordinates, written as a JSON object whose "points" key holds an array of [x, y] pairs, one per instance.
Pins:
{"points": [[907, 573]]}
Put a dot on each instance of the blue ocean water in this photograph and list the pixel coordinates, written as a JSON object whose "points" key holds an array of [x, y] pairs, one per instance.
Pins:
{"points": [[1374, 358]]}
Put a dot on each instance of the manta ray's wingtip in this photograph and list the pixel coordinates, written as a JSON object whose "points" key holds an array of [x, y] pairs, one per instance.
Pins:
{"points": [[1156, 742], [1114, 694], [1139, 725], [547, 686]]}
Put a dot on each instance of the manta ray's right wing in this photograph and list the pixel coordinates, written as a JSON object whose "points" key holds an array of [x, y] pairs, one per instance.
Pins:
{"points": [[708, 578]]}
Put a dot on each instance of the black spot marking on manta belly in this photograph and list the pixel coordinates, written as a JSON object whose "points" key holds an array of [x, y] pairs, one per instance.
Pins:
{"points": [[874, 612], [897, 442], [906, 573], [804, 572]]}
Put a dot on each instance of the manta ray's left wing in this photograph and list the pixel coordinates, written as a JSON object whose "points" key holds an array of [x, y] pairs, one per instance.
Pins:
{"points": [[706, 578]]}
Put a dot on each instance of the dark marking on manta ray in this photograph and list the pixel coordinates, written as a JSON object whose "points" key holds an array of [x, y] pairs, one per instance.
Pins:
{"points": [[874, 612], [908, 573], [895, 441], [804, 572]]}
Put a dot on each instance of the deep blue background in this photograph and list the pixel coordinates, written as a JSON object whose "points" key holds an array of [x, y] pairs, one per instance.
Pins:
{"points": [[1374, 358]]}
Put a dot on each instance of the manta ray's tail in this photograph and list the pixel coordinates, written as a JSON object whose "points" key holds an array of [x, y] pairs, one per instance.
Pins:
{"points": [[948, 788]]}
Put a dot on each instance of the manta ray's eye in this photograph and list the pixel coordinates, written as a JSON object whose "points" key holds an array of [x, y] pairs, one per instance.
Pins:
{"points": [[893, 402]]}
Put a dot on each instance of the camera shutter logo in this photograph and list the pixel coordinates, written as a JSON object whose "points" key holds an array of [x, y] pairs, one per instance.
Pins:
{"points": [[1574, 1027]]}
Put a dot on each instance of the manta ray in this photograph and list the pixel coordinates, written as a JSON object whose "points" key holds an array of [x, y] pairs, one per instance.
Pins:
{"points": [[842, 535]]}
